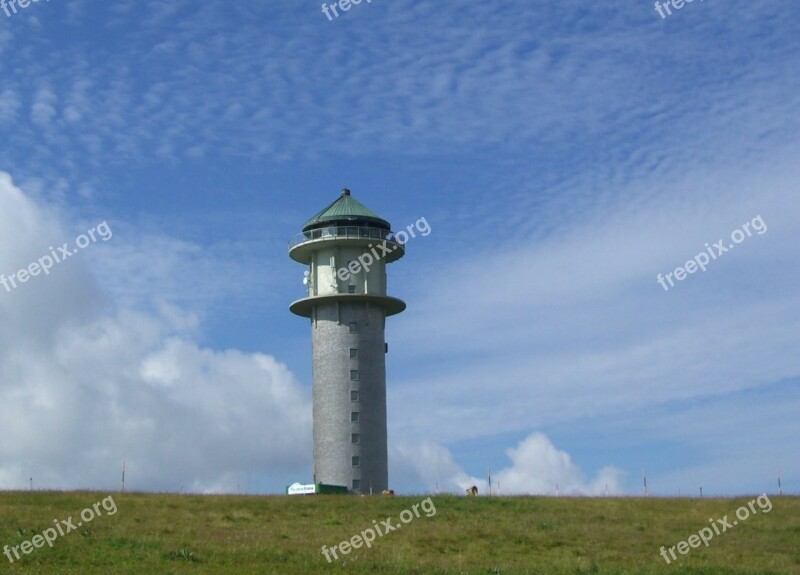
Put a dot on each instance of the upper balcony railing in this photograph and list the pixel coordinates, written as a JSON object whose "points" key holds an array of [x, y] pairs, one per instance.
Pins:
{"points": [[341, 232]]}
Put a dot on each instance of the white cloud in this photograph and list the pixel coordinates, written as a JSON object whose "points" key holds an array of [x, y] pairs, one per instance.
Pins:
{"points": [[537, 467], [83, 387]]}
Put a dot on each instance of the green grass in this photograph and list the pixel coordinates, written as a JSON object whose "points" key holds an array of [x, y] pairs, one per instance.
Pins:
{"points": [[177, 534]]}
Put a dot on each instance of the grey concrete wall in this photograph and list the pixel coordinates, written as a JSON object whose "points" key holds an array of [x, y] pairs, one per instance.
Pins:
{"points": [[331, 344]]}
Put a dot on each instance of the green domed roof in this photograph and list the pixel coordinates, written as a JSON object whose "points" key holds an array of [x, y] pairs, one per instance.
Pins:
{"points": [[346, 211]]}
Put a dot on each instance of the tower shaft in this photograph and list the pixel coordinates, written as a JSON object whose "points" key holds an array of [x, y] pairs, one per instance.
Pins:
{"points": [[349, 393]]}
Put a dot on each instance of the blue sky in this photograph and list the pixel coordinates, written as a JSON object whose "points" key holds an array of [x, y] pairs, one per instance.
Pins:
{"points": [[564, 155]]}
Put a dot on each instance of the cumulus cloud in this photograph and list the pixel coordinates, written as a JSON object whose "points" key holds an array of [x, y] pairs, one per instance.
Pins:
{"points": [[536, 467], [85, 384]]}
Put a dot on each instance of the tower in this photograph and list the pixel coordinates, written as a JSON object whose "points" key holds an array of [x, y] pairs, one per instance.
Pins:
{"points": [[346, 247]]}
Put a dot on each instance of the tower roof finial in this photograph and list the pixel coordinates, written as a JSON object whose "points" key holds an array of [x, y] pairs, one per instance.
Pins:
{"points": [[345, 192]]}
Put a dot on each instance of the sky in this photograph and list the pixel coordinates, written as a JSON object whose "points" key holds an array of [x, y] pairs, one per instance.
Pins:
{"points": [[569, 158]]}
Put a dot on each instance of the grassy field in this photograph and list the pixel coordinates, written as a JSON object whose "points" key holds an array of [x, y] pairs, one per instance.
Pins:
{"points": [[176, 534]]}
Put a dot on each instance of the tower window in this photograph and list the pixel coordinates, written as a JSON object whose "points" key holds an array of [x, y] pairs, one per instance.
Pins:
{"points": [[354, 395], [353, 327], [351, 288], [353, 353], [356, 461], [354, 417], [355, 438], [356, 484], [353, 375]]}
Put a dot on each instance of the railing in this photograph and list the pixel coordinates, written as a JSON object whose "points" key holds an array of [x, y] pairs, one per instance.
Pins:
{"points": [[341, 232]]}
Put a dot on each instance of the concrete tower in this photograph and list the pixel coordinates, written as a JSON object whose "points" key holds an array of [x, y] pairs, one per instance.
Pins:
{"points": [[346, 248]]}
